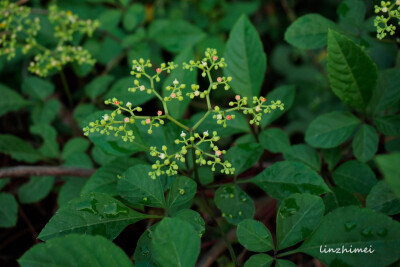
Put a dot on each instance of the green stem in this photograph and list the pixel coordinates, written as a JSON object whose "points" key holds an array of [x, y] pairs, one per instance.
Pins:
{"points": [[287, 253], [201, 120], [177, 123], [66, 87]]}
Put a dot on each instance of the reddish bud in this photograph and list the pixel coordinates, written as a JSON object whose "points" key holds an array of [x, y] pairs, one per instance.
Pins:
{"points": [[159, 113], [237, 97], [158, 70], [173, 95], [215, 58], [262, 99], [116, 102], [228, 117], [219, 79], [148, 121], [126, 119]]}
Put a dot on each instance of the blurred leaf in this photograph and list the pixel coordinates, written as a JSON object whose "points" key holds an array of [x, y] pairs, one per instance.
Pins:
{"points": [[309, 31], [206, 175], [8, 210], [284, 263], [254, 236], [109, 19], [331, 129], [37, 88], [352, 84], [110, 49], [98, 86], [388, 125], [91, 214], [243, 156], [274, 140], [46, 112], [36, 189], [246, 59], [18, 149], [339, 198], [70, 190], [298, 216], [352, 14], [389, 167], [259, 260], [181, 192], [74, 145], [50, 147], [304, 154], [133, 16], [387, 92], [10, 100], [67, 251], [175, 243], [383, 199], [332, 156], [288, 177], [144, 255], [234, 203], [365, 143], [175, 35], [233, 11], [4, 182]]}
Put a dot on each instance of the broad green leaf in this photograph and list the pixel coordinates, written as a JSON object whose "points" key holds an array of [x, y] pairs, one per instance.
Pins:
{"points": [[138, 187], [284, 93], [175, 35], [350, 82], [389, 125], [246, 59], [93, 214], [10, 100], [105, 179], [274, 140], [36, 189], [352, 14], [387, 92], [79, 159], [284, 263], [309, 31], [354, 176], [194, 218], [45, 113], [181, 192], [244, 139], [244, 156], [332, 156], [355, 228], [175, 107], [175, 243], [109, 19], [3, 182], [339, 198], [70, 190], [50, 147], [383, 199], [8, 210], [234, 203], [365, 143], [254, 236], [206, 175], [389, 167], [144, 255], [76, 251], [331, 129], [37, 88], [98, 86], [304, 154], [133, 16], [73, 146], [233, 11], [100, 157], [18, 149], [110, 49], [298, 216], [288, 177], [259, 260]]}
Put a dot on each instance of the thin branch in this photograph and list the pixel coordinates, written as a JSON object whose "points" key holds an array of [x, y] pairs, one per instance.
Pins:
{"points": [[28, 171]]}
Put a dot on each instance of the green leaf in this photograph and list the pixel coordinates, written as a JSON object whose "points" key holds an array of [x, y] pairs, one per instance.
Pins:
{"points": [[194, 218], [331, 129], [352, 14], [76, 251], [259, 260], [332, 157], [181, 192], [387, 92], [37, 88], [389, 125], [138, 187], [175, 243], [254, 236], [284, 263], [284, 93], [354, 176], [18, 149], [93, 214], [383, 199], [355, 228], [10, 100], [288, 177], [304, 154], [243, 156], [109, 19], [234, 203], [274, 140], [389, 167], [46, 112], [133, 16], [339, 197], [365, 143], [175, 35], [246, 59], [50, 147], [36, 189], [298, 216], [206, 175], [105, 179], [70, 190], [98, 86], [309, 31], [4, 182], [73, 146], [351, 83], [8, 210], [175, 107], [144, 255]]}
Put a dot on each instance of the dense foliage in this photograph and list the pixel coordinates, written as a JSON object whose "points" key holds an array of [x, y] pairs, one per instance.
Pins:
{"points": [[158, 133]]}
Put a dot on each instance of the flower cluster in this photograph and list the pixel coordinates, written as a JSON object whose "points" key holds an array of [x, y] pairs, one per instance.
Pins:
{"points": [[20, 30], [203, 146], [390, 10]]}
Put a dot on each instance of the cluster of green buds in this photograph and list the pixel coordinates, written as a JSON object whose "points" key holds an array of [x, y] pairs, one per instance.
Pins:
{"points": [[167, 162], [20, 30], [390, 10]]}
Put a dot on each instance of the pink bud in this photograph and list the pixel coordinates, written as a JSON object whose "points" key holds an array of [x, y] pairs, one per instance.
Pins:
{"points": [[148, 121], [215, 58], [126, 119], [262, 99], [218, 152], [116, 102], [228, 117], [173, 95], [237, 97], [158, 70], [159, 113], [219, 79]]}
